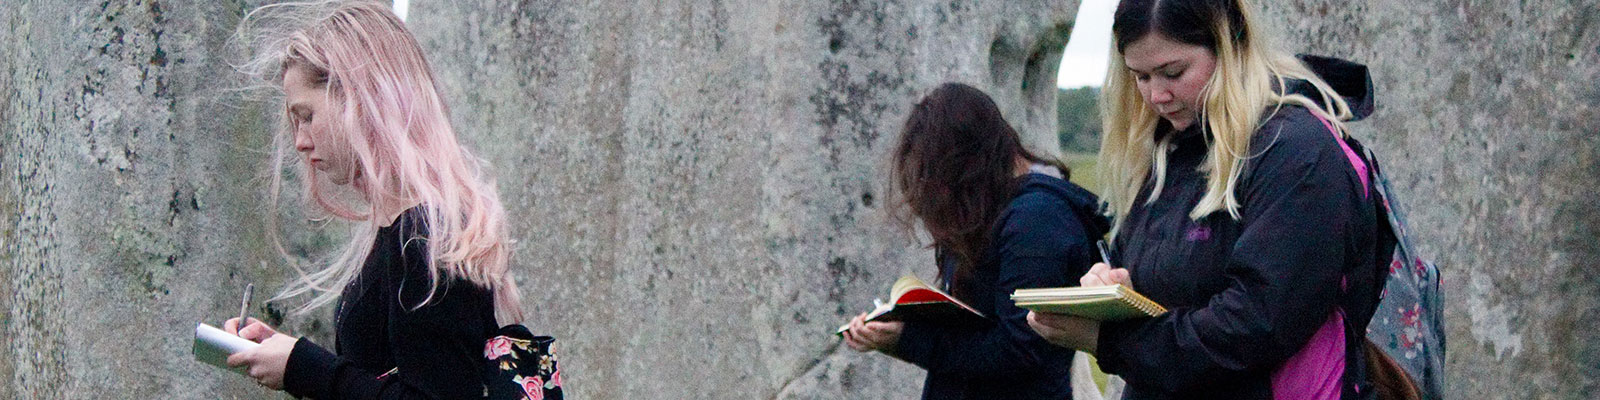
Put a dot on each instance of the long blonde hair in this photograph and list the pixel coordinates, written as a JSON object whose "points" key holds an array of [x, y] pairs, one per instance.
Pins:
{"points": [[386, 101], [1250, 77]]}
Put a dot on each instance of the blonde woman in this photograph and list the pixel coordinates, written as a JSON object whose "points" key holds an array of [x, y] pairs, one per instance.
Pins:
{"points": [[1238, 207], [420, 284]]}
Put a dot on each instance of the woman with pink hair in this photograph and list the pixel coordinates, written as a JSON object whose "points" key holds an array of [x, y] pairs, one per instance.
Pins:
{"points": [[424, 281]]}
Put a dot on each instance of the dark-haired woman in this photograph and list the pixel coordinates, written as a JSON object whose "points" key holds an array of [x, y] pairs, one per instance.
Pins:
{"points": [[1239, 206], [1001, 218]]}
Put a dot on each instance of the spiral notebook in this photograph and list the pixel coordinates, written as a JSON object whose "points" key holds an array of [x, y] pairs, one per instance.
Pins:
{"points": [[1100, 303]]}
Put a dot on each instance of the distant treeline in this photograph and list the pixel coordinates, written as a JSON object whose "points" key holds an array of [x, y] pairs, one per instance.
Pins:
{"points": [[1078, 119]]}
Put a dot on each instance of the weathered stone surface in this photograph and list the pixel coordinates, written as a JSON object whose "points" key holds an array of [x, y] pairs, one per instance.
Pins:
{"points": [[699, 184], [129, 204], [1489, 123]]}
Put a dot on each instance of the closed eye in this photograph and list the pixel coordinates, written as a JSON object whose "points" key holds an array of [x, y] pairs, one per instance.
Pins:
{"points": [[301, 114]]}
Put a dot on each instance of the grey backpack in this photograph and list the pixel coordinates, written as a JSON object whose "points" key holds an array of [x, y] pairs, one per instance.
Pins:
{"points": [[1409, 322]]}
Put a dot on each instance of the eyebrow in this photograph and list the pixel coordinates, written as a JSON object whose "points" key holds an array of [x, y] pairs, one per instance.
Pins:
{"points": [[1158, 67]]}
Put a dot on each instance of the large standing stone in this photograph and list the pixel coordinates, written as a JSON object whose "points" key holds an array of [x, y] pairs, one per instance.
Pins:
{"points": [[129, 198], [698, 185], [1489, 124]]}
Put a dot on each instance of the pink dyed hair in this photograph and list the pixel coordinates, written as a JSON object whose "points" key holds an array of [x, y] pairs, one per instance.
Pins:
{"points": [[386, 101]]}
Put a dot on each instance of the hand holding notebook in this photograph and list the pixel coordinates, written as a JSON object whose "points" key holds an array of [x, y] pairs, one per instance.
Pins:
{"points": [[245, 346], [213, 346], [911, 299]]}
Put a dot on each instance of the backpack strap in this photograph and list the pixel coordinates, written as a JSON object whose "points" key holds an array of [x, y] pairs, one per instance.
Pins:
{"points": [[1387, 377], [1366, 165], [1355, 159], [1391, 207]]}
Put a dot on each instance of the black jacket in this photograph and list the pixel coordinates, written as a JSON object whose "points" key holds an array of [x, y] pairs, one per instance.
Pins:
{"points": [[437, 348], [1245, 295], [1044, 238]]}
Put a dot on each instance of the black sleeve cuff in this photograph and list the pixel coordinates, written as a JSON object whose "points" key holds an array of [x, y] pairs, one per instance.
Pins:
{"points": [[1109, 342], [309, 371], [915, 343]]}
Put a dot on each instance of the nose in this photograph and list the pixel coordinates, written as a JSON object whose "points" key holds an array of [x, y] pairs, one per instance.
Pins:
{"points": [[1158, 93], [302, 141]]}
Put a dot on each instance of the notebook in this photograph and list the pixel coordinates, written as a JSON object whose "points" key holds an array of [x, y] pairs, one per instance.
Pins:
{"points": [[911, 299], [1100, 303], [213, 346]]}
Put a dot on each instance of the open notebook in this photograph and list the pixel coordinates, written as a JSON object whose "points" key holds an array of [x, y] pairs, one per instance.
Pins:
{"points": [[910, 299]]}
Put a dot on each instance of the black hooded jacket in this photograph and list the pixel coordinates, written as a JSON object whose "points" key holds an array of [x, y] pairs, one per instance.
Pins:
{"points": [[1247, 294], [1044, 238]]}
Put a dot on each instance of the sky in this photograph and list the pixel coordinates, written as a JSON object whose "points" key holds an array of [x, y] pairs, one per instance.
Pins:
{"points": [[1082, 64], [1089, 49]]}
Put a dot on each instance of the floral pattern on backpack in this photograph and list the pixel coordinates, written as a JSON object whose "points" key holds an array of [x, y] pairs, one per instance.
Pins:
{"points": [[1409, 322], [521, 366]]}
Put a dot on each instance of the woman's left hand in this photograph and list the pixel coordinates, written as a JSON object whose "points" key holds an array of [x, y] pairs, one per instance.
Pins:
{"points": [[866, 336], [1063, 330], [266, 363]]}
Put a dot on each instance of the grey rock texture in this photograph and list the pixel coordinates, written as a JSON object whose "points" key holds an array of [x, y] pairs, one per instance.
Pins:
{"points": [[129, 198], [1489, 124], [699, 184]]}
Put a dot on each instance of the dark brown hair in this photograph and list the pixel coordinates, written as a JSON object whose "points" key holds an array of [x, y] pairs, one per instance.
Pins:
{"points": [[954, 170], [1192, 22]]}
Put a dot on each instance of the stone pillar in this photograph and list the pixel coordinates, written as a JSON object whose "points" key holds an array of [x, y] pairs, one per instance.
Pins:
{"points": [[698, 185], [1488, 123], [129, 198]]}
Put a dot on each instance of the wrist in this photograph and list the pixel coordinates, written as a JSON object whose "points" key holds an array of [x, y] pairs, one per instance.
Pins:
{"points": [[888, 346], [1091, 338]]}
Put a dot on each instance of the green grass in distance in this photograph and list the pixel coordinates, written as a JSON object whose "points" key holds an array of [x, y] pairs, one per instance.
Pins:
{"points": [[1083, 169]]}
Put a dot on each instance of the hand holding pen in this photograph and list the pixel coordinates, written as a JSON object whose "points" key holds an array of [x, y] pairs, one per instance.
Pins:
{"points": [[234, 325], [1102, 274]]}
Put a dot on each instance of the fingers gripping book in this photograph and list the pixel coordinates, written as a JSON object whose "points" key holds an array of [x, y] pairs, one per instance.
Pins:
{"points": [[213, 346], [911, 299]]}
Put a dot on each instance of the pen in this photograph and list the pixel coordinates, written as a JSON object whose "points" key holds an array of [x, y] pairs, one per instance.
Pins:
{"points": [[244, 305], [1105, 255]]}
